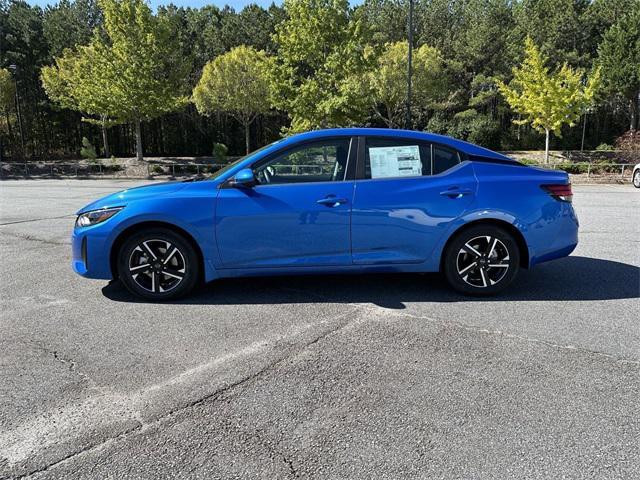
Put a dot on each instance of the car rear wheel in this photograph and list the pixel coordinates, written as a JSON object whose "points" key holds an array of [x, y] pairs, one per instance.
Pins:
{"points": [[481, 260], [158, 264], [636, 178]]}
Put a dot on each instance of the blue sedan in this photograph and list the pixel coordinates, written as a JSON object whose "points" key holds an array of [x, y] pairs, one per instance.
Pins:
{"points": [[334, 201]]}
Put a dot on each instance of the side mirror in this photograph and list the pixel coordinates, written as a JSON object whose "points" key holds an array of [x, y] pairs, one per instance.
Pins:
{"points": [[244, 178]]}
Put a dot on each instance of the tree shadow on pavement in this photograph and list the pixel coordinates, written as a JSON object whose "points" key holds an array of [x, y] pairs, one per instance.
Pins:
{"points": [[567, 279]]}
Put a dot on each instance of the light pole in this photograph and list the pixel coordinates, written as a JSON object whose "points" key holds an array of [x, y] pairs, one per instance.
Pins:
{"points": [[15, 70], [409, 59]]}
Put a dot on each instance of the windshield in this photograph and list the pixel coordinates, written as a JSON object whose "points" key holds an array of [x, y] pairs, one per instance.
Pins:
{"points": [[226, 168]]}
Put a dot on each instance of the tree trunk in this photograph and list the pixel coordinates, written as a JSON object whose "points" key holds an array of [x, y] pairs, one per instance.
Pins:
{"points": [[634, 111], [105, 140], [546, 147], [138, 141], [584, 131], [247, 132]]}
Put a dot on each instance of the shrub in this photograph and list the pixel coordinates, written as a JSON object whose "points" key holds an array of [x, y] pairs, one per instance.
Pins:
{"points": [[220, 152], [88, 151], [604, 147], [112, 168], [157, 169], [629, 141]]}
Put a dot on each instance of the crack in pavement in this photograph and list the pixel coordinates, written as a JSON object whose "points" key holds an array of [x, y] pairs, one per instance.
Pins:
{"points": [[477, 329], [31, 238], [142, 426], [71, 364], [279, 453], [37, 219]]}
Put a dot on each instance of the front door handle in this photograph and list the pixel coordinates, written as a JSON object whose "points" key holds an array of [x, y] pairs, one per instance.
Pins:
{"points": [[455, 192], [331, 201]]}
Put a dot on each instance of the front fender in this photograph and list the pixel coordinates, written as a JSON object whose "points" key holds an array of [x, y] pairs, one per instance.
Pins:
{"points": [[192, 213]]}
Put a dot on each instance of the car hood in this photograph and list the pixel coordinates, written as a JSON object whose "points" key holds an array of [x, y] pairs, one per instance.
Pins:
{"points": [[122, 198]]}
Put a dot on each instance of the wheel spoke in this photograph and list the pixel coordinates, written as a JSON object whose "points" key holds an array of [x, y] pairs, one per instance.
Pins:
{"points": [[484, 279], [493, 245], [139, 267], [174, 274], [153, 255], [498, 265], [472, 250], [168, 257], [468, 267], [153, 282]]}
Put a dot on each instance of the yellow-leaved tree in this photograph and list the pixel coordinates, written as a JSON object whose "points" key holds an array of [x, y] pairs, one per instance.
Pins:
{"points": [[548, 99]]}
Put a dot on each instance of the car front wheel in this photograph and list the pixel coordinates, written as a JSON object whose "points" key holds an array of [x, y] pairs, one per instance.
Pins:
{"points": [[158, 264], [481, 260], [636, 178]]}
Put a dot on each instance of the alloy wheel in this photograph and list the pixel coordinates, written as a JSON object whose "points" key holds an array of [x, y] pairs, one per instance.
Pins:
{"points": [[483, 261], [157, 266], [636, 179]]}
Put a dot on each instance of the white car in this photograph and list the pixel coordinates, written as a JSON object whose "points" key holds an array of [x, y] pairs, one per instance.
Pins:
{"points": [[635, 177]]}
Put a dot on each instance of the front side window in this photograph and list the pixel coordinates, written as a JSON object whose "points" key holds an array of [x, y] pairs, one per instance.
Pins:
{"points": [[321, 161], [398, 158]]}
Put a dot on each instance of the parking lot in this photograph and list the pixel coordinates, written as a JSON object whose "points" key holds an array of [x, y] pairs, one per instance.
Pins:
{"points": [[383, 376]]}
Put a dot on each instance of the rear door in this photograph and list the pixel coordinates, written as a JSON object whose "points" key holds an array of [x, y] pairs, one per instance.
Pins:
{"points": [[406, 194], [299, 213]]}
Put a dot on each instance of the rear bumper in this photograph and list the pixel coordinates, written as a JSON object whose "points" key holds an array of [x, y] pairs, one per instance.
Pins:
{"points": [[555, 236], [89, 256]]}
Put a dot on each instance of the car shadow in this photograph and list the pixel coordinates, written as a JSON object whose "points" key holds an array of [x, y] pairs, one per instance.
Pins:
{"points": [[567, 279]]}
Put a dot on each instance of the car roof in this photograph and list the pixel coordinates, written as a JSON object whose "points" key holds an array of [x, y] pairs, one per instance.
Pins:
{"points": [[466, 147]]}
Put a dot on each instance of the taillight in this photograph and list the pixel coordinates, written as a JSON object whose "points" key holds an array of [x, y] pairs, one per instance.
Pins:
{"points": [[559, 191]]}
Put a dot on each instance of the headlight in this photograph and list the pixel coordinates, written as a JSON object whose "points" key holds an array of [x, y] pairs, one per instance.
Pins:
{"points": [[96, 216]]}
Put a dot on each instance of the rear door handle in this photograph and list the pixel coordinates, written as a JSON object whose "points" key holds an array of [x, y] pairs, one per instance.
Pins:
{"points": [[331, 201], [455, 192]]}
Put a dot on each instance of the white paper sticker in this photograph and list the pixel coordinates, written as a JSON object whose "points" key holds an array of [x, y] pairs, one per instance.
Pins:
{"points": [[395, 161]]}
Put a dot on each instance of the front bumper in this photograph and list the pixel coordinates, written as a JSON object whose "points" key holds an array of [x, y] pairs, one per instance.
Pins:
{"points": [[90, 253]]}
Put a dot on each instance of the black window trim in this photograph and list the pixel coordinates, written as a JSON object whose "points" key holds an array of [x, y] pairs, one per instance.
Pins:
{"points": [[349, 171], [362, 145]]}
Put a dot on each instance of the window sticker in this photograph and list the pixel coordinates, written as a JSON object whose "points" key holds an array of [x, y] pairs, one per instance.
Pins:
{"points": [[395, 161]]}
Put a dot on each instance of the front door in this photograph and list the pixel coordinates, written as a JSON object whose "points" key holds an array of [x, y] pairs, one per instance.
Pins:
{"points": [[297, 215]]}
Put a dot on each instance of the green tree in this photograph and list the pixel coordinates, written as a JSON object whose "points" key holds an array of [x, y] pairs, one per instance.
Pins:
{"points": [[70, 23], [386, 20], [321, 59], [553, 25], [7, 97], [75, 82], [132, 74], [7, 90], [548, 100], [388, 81], [236, 83], [619, 57]]}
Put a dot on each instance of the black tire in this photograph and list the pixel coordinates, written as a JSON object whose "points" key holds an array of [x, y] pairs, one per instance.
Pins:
{"points": [[636, 178], [468, 267], [173, 272]]}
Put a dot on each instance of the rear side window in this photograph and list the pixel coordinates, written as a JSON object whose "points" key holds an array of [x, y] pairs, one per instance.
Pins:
{"points": [[398, 158], [444, 159]]}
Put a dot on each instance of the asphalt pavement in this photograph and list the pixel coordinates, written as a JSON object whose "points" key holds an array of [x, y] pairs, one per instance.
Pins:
{"points": [[340, 377]]}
